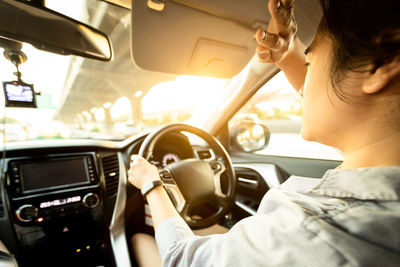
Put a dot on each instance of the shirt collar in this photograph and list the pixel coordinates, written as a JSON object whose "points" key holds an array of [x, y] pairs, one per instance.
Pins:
{"points": [[375, 183]]}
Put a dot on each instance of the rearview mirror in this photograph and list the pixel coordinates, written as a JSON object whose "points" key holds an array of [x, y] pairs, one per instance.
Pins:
{"points": [[51, 31]]}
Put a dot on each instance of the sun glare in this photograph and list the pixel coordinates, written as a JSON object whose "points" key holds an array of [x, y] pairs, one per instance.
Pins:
{"points": [[99, 114], [186, 92], [120, 108]]}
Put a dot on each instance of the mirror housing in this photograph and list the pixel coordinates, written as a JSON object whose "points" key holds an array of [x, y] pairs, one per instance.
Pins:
{"points": [[51, 31], [249, 136]]}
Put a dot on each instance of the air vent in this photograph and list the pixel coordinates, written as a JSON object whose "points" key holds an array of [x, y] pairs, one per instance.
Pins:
{"points": [[203, 154], [248, 179], [250, 184], [111, 174]]}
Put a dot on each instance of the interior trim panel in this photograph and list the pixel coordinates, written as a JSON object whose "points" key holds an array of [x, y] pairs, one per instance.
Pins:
{"points": [[117, 227]]}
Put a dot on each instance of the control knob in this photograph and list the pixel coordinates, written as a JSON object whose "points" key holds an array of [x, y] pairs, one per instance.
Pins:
{"points": [[91, 200], [26, 213]]}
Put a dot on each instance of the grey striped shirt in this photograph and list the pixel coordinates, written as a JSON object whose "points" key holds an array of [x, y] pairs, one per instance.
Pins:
{"points": [[347, 218]]}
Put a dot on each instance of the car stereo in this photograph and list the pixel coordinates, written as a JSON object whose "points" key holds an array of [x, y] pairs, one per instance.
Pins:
{"points": [[47, 188], [35, 176]]}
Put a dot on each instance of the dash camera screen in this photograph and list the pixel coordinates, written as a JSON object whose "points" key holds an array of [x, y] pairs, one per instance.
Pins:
{"points": [[19, 94]]}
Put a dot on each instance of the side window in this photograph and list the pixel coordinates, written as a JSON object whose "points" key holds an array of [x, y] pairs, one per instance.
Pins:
{"points": [[278, 107]]}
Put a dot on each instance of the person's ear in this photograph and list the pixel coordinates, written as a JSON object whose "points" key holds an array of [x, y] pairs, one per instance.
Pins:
{"points": [[378, 80]]}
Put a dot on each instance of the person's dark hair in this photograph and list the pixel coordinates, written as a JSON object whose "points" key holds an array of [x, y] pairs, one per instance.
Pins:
{"points": [[365, 33]]}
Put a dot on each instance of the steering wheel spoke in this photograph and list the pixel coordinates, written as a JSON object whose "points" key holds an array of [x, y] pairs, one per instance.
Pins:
{"points": [[184, 212], [172, 189], [221, 201], [218, 168]]}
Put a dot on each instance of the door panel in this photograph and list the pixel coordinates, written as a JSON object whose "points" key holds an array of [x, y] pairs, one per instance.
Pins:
{"points": [[256, 174]]}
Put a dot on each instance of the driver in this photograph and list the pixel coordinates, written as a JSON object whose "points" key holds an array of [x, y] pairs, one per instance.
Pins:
{"points": [[350, 83]]}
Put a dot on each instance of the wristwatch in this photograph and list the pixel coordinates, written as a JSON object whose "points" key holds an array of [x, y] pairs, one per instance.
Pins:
{"points": [[150, 186]]}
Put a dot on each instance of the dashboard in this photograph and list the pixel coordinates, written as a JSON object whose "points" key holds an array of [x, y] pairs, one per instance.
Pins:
{"points": [[59, 198], [68, 202]]}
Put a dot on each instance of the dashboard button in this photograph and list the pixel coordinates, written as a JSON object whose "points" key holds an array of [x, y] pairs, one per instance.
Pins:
{"points": [[216, 166], [166, 177], [26, 213], [91, 200]]}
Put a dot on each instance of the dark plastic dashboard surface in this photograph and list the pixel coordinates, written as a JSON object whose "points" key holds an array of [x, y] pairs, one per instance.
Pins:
{"points": [[58, 218]]}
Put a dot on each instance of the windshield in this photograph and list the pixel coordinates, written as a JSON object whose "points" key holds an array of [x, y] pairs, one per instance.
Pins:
{"points": [[86, 98]]}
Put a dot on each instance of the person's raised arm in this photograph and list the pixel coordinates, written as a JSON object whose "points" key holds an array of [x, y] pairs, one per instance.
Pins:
{"points": [[279, 43]]}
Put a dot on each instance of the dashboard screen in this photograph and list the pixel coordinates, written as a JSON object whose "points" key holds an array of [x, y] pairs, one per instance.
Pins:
{"points": [[53, 173]]}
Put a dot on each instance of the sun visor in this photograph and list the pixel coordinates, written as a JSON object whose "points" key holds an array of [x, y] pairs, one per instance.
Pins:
{"points": [[205, 37], [192, 37]]}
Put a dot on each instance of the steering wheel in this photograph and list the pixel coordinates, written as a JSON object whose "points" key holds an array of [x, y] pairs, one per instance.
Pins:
{"points": [[191, 183]]}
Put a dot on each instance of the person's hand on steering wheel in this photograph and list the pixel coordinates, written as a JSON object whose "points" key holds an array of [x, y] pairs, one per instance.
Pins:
{"points": [[141, 172]]}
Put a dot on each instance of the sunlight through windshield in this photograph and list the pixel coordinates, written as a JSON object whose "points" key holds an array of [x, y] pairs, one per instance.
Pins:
{"points": [[85, 98]]}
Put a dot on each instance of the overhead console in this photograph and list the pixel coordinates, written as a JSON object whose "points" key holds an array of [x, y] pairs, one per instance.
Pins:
{"points": [[57, 208]]}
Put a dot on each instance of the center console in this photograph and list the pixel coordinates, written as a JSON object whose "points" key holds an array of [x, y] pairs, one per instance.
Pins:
{"points": [[57, 209]]}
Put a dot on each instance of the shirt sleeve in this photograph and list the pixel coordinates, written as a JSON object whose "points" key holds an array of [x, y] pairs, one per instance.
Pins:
{"points": [[277, 238], [179, 246], [170, 231]]}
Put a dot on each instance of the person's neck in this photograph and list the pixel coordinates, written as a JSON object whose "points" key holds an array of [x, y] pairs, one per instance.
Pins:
{"points": [[384, 152]]}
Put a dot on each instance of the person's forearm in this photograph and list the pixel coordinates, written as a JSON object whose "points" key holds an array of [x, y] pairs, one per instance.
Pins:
{"points": [[293, 65], [161, 206]]}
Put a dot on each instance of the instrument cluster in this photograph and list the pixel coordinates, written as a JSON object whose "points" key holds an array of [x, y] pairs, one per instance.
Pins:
{"points": [[163, 160]]}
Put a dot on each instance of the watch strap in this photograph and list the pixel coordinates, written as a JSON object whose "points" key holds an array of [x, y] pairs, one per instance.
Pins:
{"points": [[150, 186]]}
